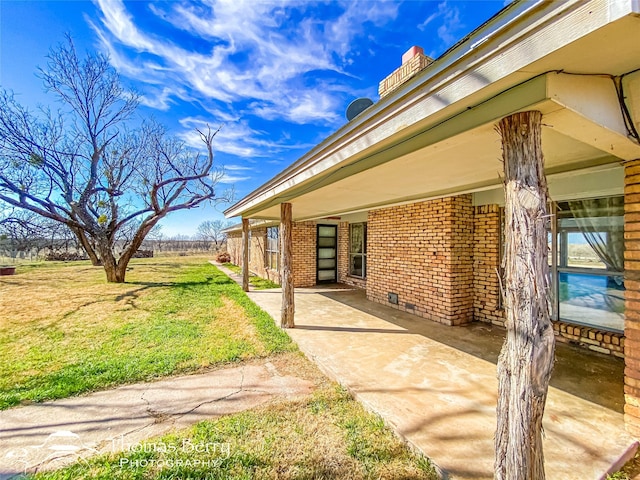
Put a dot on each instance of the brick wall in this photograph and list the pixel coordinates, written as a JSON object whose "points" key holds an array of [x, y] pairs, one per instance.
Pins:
{"points": [[304, 254], [424, 253], [234, 247], [486, 265], [632, 296], [343, 259]]}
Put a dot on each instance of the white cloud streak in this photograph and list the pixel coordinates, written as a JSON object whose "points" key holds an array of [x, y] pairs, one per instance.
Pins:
{"points": [[240, 61], [232, 179], [255, 52], [236, 138], [450, 23]]}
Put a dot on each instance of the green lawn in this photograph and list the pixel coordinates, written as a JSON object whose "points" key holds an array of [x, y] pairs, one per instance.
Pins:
{"points": [[64, 331], [258, 282]]}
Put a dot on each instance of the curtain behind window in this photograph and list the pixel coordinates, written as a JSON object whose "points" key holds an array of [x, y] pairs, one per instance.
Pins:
{"points": [[604, 233]]}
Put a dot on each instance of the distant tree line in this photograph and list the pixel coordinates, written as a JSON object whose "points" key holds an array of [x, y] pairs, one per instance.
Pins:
{"points": [[26, 235]]}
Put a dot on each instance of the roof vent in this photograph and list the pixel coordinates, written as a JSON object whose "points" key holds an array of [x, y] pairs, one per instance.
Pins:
{"points": [[413, 61]]}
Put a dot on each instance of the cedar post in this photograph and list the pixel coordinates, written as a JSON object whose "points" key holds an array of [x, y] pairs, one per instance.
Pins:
{"points": [[245, 254], [286, 273], [526, 359]]}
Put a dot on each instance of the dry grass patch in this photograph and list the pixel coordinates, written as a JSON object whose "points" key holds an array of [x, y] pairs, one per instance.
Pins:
{"points": [[239, 325]]}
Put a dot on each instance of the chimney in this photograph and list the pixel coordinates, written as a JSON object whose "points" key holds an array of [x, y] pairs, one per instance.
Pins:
{"points": [[413, 61]]}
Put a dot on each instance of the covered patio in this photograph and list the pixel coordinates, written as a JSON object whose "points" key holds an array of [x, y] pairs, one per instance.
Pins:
{"points": [[436, 385], [406, 201]]}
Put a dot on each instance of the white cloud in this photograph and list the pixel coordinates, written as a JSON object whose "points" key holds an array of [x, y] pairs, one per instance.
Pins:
{"points": [[241, 60], [231, 179], [160, 99], [236, 138], [255, 53], [236, 168], [448, 30], [428, 20], [452, 24]]}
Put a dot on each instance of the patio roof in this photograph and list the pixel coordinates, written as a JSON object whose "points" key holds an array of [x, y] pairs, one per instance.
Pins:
{"points": [[435, 135]]}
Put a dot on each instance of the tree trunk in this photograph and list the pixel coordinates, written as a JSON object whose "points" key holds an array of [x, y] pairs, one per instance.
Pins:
{"points": [[526, 360], [127, 254], [86, 246], [286, 274], [245, 254], [114, 274]]}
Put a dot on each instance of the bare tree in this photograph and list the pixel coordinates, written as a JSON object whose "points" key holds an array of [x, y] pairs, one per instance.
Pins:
{"points": [[84, 168], [22, 233], [526, 359], [211, 230], [156, 237], [26, 233]]}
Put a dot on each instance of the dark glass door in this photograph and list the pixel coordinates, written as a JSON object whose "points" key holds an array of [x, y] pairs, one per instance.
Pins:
{"points": [[327, 254]]}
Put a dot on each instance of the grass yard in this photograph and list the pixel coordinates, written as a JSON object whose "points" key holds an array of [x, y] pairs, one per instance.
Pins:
{"points": [[325, 435], [258, 282], [64, 331]]}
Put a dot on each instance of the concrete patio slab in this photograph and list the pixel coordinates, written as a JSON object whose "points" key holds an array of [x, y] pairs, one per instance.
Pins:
{"points": [[54, 434], [436, 385]]}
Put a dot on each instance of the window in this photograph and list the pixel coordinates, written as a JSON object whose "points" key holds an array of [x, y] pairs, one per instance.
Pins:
{"points": [[358, 250], [587, 262], [272, 251]]}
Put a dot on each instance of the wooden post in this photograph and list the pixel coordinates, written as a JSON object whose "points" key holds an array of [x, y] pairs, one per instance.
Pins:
{"points": [[245, 254], [526, 360], [286, 270]]}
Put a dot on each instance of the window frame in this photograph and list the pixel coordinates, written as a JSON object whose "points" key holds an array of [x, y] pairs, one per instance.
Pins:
{"points": [[269, 251], [557, 266], [351, 254]]}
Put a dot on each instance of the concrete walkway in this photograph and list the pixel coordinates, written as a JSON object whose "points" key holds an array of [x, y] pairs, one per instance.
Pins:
{"points": [[54, 434], [436, 385]]}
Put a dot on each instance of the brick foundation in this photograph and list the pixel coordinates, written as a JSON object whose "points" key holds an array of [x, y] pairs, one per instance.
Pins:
{"points": [[632, 296], [423, 253], [600, 341]]}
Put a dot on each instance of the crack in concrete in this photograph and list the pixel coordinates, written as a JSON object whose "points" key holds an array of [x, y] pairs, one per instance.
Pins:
{"points": [[161, 417], [209, 402], [117, 443], [158, 416]]}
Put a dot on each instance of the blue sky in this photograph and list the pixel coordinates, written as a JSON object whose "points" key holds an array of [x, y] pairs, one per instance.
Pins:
{"points": [[278, 75]]}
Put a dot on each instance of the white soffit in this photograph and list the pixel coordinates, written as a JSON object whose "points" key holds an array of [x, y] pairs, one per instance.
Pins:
{"points": [[603, 181], [464, 154]]}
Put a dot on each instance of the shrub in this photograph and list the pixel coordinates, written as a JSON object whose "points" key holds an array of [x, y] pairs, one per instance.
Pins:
{"points": [[223, 257]]}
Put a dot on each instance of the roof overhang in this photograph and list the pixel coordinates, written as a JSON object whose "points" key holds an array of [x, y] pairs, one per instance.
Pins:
{"points": [[436, 135]]}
